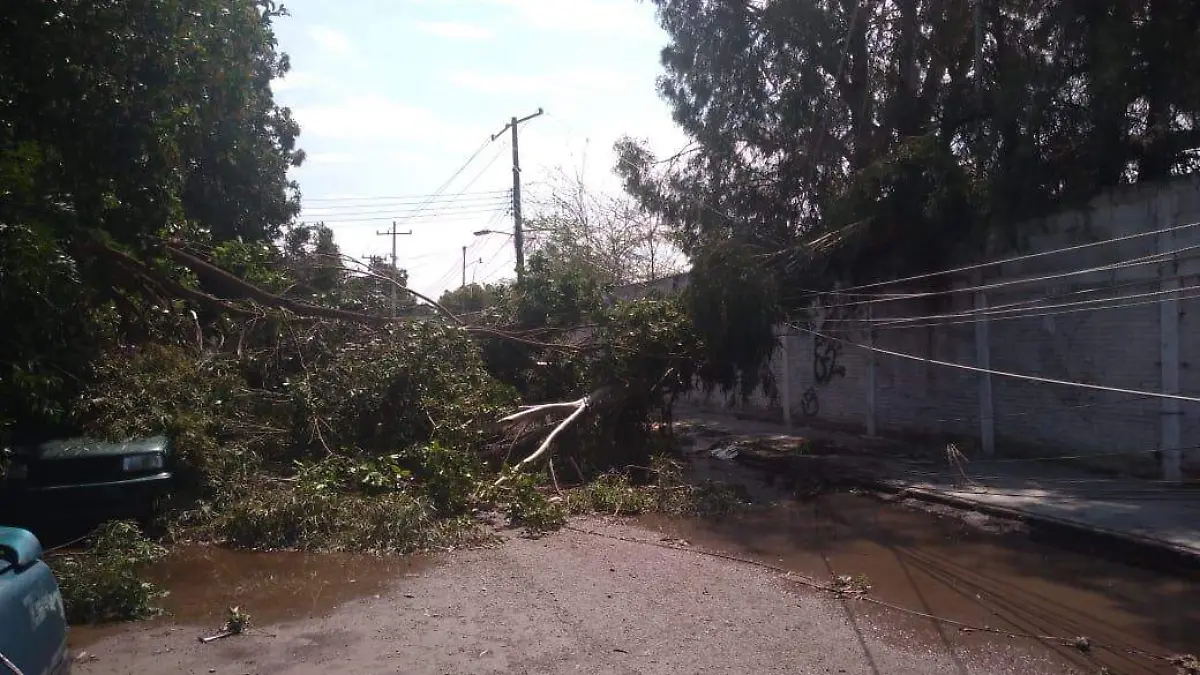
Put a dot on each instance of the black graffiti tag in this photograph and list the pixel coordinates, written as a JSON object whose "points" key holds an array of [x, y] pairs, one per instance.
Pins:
{"points": [[825, 360]]}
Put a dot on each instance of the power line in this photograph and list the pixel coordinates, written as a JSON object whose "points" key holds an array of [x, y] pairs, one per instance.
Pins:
{"points": [[428, 218], [1034, 315], [450, 180], [1020, 312], [1151, 259], [440, 202], [1001, 373], [393, 213], [400, 198], [445, 278], [505, 195], [1018, 258]]}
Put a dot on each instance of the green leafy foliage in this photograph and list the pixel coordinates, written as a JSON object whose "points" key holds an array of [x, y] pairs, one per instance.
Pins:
{"points": [[526, 504], [860, 141], [399, 388], [299, 517], [613, 494], [104, 583], [195, 399], [120, 123], [668, 492], [53, 340]]}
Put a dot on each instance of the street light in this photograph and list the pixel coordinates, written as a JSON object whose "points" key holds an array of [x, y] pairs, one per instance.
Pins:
{"points": [[481, 233]]}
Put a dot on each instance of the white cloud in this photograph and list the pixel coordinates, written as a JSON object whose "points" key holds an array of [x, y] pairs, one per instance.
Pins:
{"points": [[331, 40], [319, 158], [298, 80], [495, 83], [376, 119], [562, 81], [455, 30], [592, 16]]}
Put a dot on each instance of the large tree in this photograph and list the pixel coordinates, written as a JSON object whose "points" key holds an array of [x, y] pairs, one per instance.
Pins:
{"points": [[124, 123], [866, 138]]}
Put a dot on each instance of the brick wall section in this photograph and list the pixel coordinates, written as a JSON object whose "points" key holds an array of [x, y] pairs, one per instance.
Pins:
{"points": [[1113, 347]]}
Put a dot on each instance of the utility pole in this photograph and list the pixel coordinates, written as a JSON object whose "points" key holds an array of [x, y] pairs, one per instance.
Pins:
{"points": [[518, 234], [395, 267], [464, 278]]}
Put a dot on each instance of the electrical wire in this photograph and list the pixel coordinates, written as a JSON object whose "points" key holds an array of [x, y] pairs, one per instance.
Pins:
{"points": [[442, 202], [450, 180], [1019, 258], [1033, 315], [449, 274], [401, 213], [834, 589], [1152, 259], [506, 194], [401, 198], [493, 270], [425, 219], [1001, 373], [1001, 314]]}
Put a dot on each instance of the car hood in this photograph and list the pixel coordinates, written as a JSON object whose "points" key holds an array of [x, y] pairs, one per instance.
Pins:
{"points": [[75, 448]]}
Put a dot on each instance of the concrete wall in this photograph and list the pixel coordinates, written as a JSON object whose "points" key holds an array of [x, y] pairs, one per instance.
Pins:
{"points": [[1153, 346]]}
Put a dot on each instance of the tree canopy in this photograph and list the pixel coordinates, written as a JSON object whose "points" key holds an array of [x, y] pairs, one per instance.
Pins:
{"points": [[123, 124], [854, 139]]}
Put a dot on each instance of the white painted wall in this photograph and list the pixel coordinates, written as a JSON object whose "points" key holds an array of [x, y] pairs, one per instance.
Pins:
{"points": [[1151, 347]]}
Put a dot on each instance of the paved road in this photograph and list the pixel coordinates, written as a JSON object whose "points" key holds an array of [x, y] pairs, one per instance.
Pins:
{"points": [[576, 603], [1152, 512]]}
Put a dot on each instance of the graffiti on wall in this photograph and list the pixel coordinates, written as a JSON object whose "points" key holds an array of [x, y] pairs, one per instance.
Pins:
{"points": [[828, 318]]}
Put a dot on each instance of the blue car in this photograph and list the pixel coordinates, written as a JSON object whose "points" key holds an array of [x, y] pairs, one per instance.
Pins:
{"points": [[33, 626]]}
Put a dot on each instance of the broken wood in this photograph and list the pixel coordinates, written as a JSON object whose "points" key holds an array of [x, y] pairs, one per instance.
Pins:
{"points": [[580, 406]]}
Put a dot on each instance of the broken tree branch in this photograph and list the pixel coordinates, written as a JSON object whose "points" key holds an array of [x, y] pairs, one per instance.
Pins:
{"points": [[580, 406], [231, 285], [534, 409]]}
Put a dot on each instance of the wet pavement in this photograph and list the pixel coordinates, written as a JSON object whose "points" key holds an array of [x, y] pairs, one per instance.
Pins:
{"points": [[203, 582], [967, 571], [549, 603], [1148, 517]]}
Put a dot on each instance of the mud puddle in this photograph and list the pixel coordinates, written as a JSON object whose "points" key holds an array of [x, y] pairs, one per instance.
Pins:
{"points": [[203, 582], [954, 568]]}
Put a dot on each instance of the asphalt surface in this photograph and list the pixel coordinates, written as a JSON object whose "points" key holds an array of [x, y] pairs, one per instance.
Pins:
{"points": [[574, 603]]}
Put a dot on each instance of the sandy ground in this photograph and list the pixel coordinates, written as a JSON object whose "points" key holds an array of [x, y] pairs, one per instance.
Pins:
{"points": [[572, 603]]}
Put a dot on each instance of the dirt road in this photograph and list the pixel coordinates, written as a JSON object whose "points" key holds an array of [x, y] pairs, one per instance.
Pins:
{"points": [[573, 603]]}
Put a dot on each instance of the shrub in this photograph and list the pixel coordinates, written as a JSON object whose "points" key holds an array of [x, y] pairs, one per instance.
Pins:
{"points": [[527, 506], [299, 517], [400, 388], [104, 583], [613, 494], [155, 389]]}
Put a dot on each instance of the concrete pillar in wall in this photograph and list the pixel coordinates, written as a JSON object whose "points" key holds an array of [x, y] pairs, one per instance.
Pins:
{"points": [[1170, 437], [871, 429], [983, 359], [785, 387]]}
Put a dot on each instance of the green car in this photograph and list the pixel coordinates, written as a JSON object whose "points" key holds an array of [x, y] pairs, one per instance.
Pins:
{"points": [[130, 474]]}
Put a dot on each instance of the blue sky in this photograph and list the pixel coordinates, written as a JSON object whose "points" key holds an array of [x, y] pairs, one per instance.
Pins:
{"points": [[394, 95]]}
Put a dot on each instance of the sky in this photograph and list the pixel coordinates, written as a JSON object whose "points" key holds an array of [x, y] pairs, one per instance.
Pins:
{"points": [[394, 96]]}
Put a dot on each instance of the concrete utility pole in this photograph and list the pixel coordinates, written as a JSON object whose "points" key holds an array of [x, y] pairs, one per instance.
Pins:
{"points": [[464, 268], [518, 234], [395, 267]]}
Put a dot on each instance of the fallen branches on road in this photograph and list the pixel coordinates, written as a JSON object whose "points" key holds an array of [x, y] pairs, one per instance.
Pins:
{"points": [[579, 407]]}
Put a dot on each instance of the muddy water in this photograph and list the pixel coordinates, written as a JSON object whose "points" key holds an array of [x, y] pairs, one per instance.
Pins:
{"points": [[203, 582], [969, 572]]}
